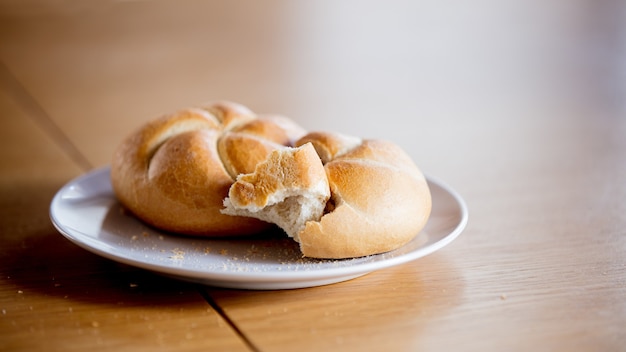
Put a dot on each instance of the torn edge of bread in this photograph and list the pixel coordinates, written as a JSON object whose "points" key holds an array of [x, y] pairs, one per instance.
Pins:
{"points": [[288, 189]]}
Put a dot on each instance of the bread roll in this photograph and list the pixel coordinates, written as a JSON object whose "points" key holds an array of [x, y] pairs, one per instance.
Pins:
{"points": [[174, 172], [379, 200]]}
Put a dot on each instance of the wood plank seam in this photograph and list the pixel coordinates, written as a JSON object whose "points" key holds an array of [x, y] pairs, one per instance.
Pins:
{"points": [[227, 318], [41, 117]]}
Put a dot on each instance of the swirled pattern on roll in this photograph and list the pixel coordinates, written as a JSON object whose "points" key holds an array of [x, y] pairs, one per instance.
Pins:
{"points": [[174, 172]]}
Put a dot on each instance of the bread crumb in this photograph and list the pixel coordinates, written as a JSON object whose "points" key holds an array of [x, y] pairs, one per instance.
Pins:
{"points": [[178, 254], [223, 251], [145, 234], [503, 296], [134, 238]]}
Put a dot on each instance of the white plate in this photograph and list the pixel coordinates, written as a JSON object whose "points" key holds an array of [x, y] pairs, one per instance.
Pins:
{"points": [[86, 212]]}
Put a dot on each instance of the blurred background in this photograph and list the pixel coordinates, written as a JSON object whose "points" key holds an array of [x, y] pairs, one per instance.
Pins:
{"points": [[368, 68]]}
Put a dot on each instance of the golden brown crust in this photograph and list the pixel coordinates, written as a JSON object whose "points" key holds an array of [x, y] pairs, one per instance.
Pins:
{"points": [[380, 201], [247, 145], [330, 145], [169, 172]]}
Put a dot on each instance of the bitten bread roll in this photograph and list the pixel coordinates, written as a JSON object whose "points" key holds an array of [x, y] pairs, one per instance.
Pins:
{"points": [[288, 189], [174, 172], [379, 199]]}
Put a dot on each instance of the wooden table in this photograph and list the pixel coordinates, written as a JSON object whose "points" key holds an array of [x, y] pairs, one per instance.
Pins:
{"points": [[518, 105]]}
